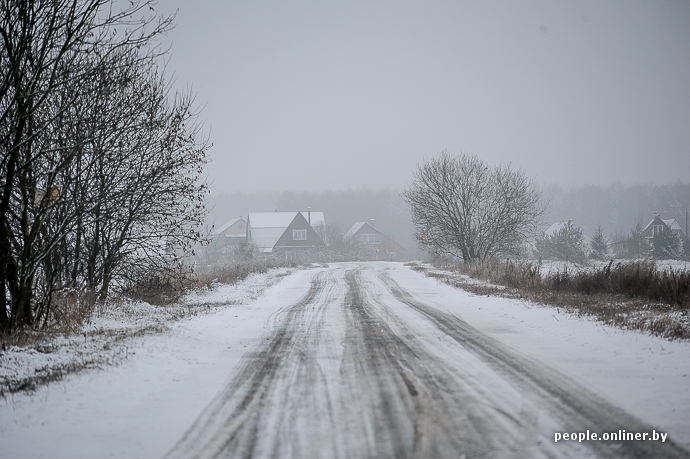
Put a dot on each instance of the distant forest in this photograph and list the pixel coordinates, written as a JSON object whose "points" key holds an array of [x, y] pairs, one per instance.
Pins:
{"points": [[617, 208]]}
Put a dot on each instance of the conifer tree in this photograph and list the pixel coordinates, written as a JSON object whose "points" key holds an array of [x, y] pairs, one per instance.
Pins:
{"points": [[667, 244], [600, 245], [566, 244]]}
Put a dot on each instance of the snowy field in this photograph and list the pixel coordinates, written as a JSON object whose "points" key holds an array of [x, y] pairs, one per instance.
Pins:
{"points": [[549, 266], [142, 407]]}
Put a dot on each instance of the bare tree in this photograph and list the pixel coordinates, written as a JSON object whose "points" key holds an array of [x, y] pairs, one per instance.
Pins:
{"points": [[100, 163], [145, 195], [463, 208]]}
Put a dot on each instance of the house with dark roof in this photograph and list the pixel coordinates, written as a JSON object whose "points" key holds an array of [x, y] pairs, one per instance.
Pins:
{"points": [[657, 225], [290, 234], [372, 244]]}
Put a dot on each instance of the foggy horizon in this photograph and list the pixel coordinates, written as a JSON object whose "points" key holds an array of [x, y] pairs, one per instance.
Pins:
{"points": [[313, 97], [542, 186]]}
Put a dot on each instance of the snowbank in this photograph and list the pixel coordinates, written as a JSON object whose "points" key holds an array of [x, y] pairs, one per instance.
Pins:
{"points": [[140, 391]]}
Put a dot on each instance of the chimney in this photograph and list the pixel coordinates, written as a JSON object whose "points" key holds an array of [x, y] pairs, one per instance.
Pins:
{"points": [[372, 222], [309, 214], [276, 209]]}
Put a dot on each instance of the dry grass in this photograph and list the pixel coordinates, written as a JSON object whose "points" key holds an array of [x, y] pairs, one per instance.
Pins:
{"points": [[635, 280], [167, 287], [69, 310], [633, 295]]}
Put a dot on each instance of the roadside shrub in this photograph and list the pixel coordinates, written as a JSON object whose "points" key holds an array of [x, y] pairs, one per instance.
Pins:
{"points": [[638, 279], [167, 287], [70, 309], [160, 288]]}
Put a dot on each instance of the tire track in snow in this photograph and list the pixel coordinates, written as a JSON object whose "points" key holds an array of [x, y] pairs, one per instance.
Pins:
{"points": [[370, 402], [456, 413], [420, 408], [578, 408], [403, 417], [347, 373], [230, 426]]}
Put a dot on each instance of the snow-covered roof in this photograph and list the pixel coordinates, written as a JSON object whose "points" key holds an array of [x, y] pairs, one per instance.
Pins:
{"points": [[267, 227], [358, 226], [351, 232], [220, 230], [554, 228], [282, 219], [671, 223], [317, 218], [266, 238], [270, 219]]}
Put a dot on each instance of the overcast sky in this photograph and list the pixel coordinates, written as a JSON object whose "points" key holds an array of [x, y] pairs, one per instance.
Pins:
{"points": [[317, 95]]}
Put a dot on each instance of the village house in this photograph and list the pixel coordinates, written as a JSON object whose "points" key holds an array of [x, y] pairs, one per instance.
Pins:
{"points": [[657, 225], [231, 233], [373, 244], [224, 242], [288, 234]]}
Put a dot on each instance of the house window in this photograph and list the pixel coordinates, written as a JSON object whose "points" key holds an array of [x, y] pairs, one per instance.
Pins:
{"points": [[657, 229], [299, 234]]}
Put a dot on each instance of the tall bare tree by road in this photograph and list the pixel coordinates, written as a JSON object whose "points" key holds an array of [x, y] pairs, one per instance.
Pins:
{"points": [[100, 162], [464, 208]]}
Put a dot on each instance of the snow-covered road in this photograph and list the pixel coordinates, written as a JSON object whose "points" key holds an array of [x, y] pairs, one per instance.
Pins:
{"points": [[372, 360]]}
